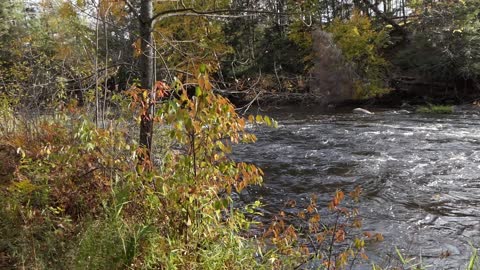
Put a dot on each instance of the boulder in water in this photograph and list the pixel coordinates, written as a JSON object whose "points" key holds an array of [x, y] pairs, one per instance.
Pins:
{"points": [[361, 111], [398, 112]]}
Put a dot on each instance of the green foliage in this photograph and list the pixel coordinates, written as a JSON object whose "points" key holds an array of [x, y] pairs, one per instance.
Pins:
{"points": [[266, 49], [201, 39], [301, 35], [402, 261], [11, 23], [473, 259], [79, 198], [425, 59], [61, 181], [445, 45], [41, 50], [361, 46], [101, 247], [187, 198], [111, 242], [435, 109]]}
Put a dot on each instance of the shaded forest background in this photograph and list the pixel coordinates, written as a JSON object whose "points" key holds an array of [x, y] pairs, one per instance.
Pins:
{"points": [[56, 49]]}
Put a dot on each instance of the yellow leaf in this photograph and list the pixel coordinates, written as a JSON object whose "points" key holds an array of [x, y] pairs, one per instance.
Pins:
{"points": [[268, 121], [355, 31], [137, 49]]}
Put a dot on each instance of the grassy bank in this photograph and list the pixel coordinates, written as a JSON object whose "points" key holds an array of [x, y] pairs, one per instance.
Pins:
{"points": [[77, 196], [435, 109]]}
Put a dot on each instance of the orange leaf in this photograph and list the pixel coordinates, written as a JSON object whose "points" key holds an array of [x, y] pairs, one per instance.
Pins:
{"points": [[340, 235], [161, 88], [355, 194], [378, 237], [315, 219], [137, 49]]}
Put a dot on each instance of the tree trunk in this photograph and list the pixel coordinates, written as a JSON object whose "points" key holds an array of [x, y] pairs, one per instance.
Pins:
{"points": [[384, 17], [146, 70]]}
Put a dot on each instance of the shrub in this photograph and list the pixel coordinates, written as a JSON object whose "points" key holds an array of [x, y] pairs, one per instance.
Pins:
{"points": [[79, 197], [66, 171], [445, 43], [435, 109], [361, 45]]}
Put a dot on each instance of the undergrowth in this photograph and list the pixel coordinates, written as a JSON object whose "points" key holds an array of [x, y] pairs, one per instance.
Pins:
{"points": [[76, 196], [435, 109]]}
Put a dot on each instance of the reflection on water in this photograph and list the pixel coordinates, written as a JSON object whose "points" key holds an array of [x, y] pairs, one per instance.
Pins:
{"points": [[420, 175]]}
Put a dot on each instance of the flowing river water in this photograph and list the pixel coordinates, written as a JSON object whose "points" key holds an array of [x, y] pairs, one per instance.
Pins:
{"points": [[419, 174]]}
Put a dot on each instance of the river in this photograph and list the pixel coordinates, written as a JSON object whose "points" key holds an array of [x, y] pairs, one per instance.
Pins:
{"points": [[419, 173]]}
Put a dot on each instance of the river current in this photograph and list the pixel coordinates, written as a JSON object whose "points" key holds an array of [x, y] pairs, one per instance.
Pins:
{"points": [[420, 175]]}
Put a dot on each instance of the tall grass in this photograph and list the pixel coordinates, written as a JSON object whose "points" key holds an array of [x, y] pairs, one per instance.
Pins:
{"points": [[435, 109]]}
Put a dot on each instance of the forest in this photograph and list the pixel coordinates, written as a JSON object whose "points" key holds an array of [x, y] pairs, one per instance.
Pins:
{"points": [[228, 134]]}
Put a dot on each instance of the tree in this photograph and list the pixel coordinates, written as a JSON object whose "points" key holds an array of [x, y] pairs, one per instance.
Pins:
{"points": [[361, 47], [147, 20], [146, 73], [43, 47], [445, 46]]}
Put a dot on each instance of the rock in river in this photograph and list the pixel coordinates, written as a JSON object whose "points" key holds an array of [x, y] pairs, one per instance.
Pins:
{"points": [[361, 111]]}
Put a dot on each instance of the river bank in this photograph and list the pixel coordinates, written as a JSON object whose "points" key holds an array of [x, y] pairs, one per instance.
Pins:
{"points": [[395, 99], [400, 86]]}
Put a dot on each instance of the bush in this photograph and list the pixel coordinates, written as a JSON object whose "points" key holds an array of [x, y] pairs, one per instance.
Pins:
{"points": [[361, 45], [445, 45], [79, 198], [61, 180], [435, 109]]}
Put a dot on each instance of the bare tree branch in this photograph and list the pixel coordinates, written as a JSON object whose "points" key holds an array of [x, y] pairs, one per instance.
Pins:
{"points": [[382, 15], [220, 13], [132, 9]]}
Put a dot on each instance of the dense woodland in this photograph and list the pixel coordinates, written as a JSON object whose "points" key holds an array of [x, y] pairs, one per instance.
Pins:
{"points": [[118, 119]]}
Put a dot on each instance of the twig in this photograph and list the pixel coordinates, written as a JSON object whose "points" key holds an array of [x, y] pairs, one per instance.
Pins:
{"points": [[247, 107], [330, 251], [88, 172]]}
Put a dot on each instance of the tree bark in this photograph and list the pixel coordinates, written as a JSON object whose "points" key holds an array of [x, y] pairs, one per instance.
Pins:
{"points": [[147, 19], [146, 72], [384, 17]]}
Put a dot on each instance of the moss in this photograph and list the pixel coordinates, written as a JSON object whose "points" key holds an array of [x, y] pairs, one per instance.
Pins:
{"points": [[435, 109]]}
